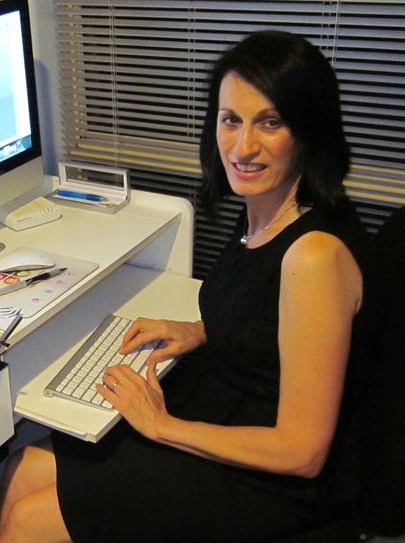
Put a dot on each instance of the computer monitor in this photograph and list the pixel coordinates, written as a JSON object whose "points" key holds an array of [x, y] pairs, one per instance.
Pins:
{"points": [[21, 170]]}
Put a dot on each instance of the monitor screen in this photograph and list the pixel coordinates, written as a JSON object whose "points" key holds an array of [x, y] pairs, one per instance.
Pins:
{"points": [[21, 169], [19, 127]]}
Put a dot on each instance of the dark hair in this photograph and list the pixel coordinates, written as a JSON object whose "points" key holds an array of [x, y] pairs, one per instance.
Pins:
{"points": [[300, 82]]}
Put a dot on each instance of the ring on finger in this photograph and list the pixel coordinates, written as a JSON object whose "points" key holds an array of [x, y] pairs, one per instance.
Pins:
{"points": [[112, 387]]}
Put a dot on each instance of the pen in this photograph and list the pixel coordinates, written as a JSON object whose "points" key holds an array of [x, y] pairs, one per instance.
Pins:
{"points": [[35, 279], [76, 195]]}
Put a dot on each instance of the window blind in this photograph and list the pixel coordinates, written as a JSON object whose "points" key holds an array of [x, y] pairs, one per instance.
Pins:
{"points": [[133, 84]]}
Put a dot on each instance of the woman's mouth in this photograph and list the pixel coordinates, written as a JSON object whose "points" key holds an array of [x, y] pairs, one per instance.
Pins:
{"points": [[248, 167]]}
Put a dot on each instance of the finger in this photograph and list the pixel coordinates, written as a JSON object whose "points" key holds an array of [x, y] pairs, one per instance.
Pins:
{"points": [[142, 338], [144, 331], [152, 379], [134, 331], [124, 374], [112, 372], [107, 394], [111, 381], [164, 351], [140, 325]]}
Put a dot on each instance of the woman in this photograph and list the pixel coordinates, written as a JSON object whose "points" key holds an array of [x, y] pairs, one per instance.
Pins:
{"points": [[249, 437]]}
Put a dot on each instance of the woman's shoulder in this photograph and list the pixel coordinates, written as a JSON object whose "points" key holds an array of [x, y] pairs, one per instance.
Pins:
{"points": [[320, 262], [316, 249], [329, 230]]}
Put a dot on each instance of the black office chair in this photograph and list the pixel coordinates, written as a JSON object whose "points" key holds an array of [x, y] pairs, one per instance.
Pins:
{"points": [[382, 501]]}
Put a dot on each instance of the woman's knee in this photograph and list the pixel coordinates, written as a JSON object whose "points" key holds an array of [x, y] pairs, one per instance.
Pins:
{"points": [[35, 518], [27, 471], [20, 520]]}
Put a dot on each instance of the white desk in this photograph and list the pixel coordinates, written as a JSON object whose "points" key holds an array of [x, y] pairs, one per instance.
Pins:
{"points": [[154, 234], [154, 230]]}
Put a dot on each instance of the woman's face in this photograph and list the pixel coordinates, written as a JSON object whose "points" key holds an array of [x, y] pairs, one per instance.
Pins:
{"points": [[258, 151]]}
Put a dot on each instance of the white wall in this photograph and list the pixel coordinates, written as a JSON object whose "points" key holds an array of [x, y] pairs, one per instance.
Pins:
{"points": [[44, 43]]}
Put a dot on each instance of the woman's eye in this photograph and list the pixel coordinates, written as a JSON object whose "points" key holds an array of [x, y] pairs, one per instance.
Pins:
{"points": [[230, 120], [272, 123]]}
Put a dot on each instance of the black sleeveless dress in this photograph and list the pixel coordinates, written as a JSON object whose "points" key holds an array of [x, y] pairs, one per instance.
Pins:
{"points": [[127, 489]]}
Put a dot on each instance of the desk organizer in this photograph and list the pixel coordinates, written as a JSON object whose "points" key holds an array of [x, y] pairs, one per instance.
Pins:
{"points": [[92, 187]]}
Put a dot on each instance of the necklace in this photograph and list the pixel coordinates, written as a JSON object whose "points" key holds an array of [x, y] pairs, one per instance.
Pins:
{"points": [[245, 238]]}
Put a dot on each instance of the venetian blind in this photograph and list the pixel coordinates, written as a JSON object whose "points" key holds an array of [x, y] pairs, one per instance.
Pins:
{"points": [[133, 73]]}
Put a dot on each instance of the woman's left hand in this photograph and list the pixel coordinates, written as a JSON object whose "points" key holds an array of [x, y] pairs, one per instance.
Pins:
{"points": [[140, 401]]}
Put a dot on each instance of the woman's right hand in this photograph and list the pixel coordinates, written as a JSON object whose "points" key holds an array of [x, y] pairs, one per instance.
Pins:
{"points": [[176, 337]]}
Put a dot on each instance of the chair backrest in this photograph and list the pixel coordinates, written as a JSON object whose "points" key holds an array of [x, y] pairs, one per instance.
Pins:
{"points": [[382, 497]]}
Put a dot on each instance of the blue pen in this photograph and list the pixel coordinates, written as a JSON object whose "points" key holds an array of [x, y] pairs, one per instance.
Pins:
{"points": [[75, 195]]}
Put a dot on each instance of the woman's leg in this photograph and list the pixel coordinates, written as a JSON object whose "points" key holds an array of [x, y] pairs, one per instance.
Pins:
{"points": [[27, 471], [36, 518], [30, 508]]}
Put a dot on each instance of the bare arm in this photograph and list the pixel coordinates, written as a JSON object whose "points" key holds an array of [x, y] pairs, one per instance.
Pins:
{"points": [[320, 293]]}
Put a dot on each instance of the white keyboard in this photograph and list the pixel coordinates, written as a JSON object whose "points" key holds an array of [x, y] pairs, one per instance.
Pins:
{"points": [[78, 378]]}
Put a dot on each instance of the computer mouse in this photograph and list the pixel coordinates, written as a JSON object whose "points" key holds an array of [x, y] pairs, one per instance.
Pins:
{"points": [[25, 259]]}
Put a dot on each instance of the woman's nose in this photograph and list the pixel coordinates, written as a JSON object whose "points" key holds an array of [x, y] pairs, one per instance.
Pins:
{"points": [[247, 143]]}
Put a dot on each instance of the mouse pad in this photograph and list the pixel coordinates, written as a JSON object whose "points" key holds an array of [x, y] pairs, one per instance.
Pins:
{"points": [[31, 299]]}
